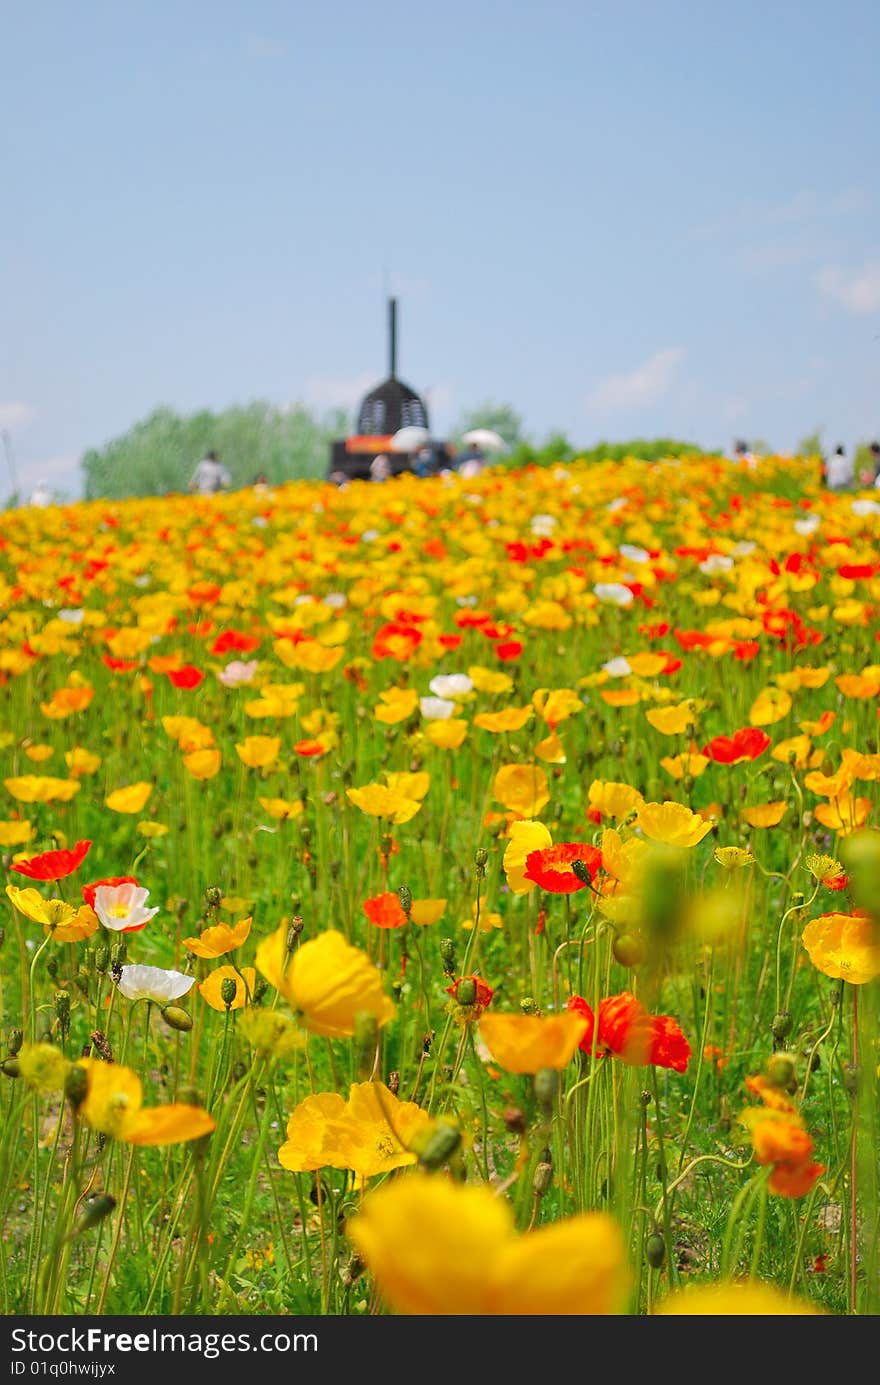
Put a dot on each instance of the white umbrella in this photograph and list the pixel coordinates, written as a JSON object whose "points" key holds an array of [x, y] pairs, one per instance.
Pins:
{"points": [[486, 439], [410, 439]]}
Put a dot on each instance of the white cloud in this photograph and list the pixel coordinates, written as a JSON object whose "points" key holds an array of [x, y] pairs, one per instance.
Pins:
{"points": [[15, 414], [858, 292], [330, 392], [644, 385]]}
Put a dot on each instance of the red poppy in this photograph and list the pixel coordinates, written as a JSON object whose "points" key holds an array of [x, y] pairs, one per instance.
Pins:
{"points": [[185, 677], [746, 744], [234, 641], [54, 865], [627, 1030], [552, 867], [471, 991], [88, 891], [395, 641], [119, 665], [508, 650], [835, 882], [385, 911], [449, 642], [310, 748]]}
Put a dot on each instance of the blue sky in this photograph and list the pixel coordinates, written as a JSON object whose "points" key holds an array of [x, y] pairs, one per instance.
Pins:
{"points": [[625, 218]]}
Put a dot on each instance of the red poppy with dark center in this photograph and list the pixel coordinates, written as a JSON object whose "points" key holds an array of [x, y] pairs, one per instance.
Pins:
{"points": [[186, 677], [553, 867], [471, 991], [54, 865], [88, 891], [385, 911], [746, 744], [632, 1034]]}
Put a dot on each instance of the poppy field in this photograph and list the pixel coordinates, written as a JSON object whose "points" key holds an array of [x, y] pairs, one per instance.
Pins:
{"points": [[443, 897]]}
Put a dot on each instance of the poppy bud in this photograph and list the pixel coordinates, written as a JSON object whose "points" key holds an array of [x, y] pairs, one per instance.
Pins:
{"points": [[542, 1179], [83, 979], [118, 954], [404, 894], [52, 967], [228, 991], [394, 1082], [529, 1005], [655, 1250], [481, 860], [440, 1145], [780, 1027], [62, 1010], [546, 1088], [97, 1207], [176, 1018], [466, 991], [76, 1085], [213, 896], [386, 844], [629, 949], [102, 960], [514, 1119], [101, 1045], [580, 871], [447, 956], [10, 1067], [261, 986], [14, 1039], [351, 1273], [781, 1071]]}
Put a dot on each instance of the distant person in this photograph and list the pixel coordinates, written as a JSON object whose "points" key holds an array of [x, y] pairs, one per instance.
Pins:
{"points": [[470, 462], [41, 495], [743, 453], [870, 472], [380, 468], [839, 473], [210, 476]]}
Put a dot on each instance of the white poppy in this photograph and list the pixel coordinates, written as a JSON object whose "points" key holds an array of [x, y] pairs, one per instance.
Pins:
{"points": [[451, 685], [238, 672], [613, 593], [121, 907], [154, 983], [436, 708]]}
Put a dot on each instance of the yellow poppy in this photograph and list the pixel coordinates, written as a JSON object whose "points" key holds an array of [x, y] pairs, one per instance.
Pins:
{"points": [[556, 704], [131, 799], [15, 833], [282, 807], [35, 788], [551, 750], [380, 801], [113, 1104], [410, 1233], [843, 814], [67, 923], [396, 704], [525, 837], [846, 946], [771, 705], [528, 1043], [735, 1298], [521, 788], [371, 1133], [510, 719], [672, 823], [80, 761], [325, 979], [691, 764], [220, 939], [244, 978], [427, 911], [487, 680], [612, 799], [203, 764], [39, 754], [259, 752], [672, 721], [447, 735], [764, 814]]}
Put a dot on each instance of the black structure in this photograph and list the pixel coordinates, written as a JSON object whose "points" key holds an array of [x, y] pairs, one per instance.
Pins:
{"points": [[384, 411]]}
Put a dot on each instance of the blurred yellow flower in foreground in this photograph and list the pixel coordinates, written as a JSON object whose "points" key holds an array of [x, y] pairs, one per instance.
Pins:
{"points": [[747, 1299], [369, 1134], [412, 1231], [326, 980], [527, 1043], [113, 1104]]}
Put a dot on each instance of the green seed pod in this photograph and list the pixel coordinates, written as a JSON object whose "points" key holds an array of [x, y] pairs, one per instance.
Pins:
{"points": [[655, 1250], [481, 860], [10, 1067], [118, 954], [261, 986], [97, 1207], [780, 1027], [466, 991], [102, 960], [441, 1144], [546, 1088], [14, 1040], [76, 1085], [581, 871], [176, 1018], [101, 1045], [529, 1005], [629, 949], [62, 1007], [228, 991], [781, 1071], [447, 956], [213, 896]]}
